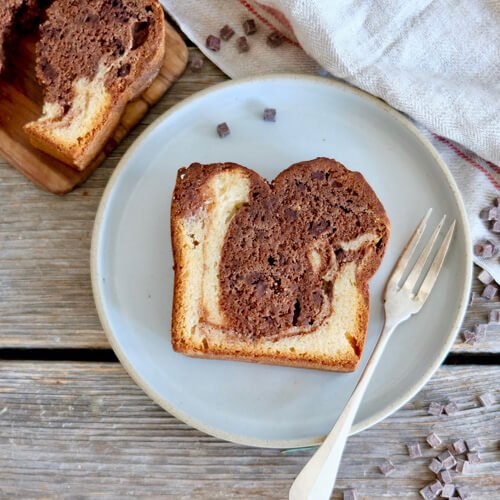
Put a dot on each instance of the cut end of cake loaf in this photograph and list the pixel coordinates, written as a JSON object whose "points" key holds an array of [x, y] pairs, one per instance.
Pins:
{"points": [[92, 59], [275, 273]]}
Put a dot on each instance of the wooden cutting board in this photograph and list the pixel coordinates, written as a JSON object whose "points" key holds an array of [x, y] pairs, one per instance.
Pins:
{"points": [[21, 102]]}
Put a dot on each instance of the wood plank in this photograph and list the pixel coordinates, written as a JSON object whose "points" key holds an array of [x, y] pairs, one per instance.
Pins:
{"points": [[87, 430], [21, 102], [45, 293]]}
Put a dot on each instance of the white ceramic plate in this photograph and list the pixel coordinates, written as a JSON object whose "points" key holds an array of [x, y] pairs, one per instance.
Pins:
{"points": [[132, 260]]}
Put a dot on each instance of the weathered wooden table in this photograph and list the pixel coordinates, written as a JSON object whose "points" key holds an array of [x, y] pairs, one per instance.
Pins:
{"points": [[72, 422]]}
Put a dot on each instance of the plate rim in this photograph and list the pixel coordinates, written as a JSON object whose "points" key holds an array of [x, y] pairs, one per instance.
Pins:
{"points": [[158, 398]]}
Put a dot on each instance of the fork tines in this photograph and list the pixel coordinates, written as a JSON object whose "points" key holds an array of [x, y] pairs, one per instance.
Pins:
{"points": [[417, 271]]}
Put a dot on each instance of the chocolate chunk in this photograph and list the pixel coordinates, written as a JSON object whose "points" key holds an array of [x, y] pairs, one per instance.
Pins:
{"points": [[494, 317], [213, 43], [485, 277], [451, 408], [427, 493], [197, 64], [434, 440], [269, 115], [473, 444], [445, 476], [448, 491], [484, 214], [436, 487], [140, 31], [487, 399], [435, 409], [490, 213], [496, 201], [463, 466], [459, 447], [435, 465], [350, 495], [489, 291], [463, 492], [447, 459], [123, 70], [243, 44], [318, 175], [226, 32], [223, 130], [495, 226], [473, 298], [480, 329], [473, 457], [275, 39], [485, 249], [414, 450], [249, 27], [386, 467], [470, 337]]}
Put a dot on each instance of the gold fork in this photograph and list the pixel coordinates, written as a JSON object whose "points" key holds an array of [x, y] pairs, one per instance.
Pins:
{"points": [[401, 300]]}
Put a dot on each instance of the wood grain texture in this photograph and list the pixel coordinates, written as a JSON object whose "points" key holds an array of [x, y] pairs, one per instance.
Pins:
{"points": [[21, 102], [87, 431], [45, 292]]}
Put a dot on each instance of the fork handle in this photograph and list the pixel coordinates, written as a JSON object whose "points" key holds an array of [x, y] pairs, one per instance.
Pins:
{"points": [[317, 478]]}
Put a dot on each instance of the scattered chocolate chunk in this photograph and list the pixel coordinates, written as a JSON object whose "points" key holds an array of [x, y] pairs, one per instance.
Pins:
{"points": [[495, 226], [196, 64], [480, 328], [484, 214], [350, 495], [387, 467], [448, 491], [490, 213], [435, 409], [275, 39], [434, 440], [473, 444], [269, 115], [459, 447], [445, 476], [426, 493], [494, 317], [243, 44], [447, 459], [470, 337], [463, 466], [485, 277], [451, 408], [487, 399], [463, 492], [436, 487], [485, 249], [473, 457], [414, 450], [435, 465], [489, 291], [496, 201], [223, 130], [213, 43], [226, 32], [249, 27]]}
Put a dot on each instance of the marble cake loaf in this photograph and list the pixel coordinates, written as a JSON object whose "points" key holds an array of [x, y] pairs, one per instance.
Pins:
{"points": [[93, 57], [275, 272]]}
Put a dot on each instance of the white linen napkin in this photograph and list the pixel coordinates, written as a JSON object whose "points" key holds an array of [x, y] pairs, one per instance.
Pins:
{"points": [[437, 61]]}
